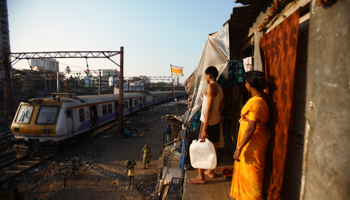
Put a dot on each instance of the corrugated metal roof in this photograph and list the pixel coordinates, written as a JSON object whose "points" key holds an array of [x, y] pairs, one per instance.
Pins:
{"points": [[242, 17], [251, 2]]}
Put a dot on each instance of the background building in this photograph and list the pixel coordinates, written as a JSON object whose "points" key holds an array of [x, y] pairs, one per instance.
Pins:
{"points": [[46, 64], [176, 80], [145, 79]]}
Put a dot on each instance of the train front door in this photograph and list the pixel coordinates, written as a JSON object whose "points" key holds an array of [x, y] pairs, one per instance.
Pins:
{"points": [[70, 125]]}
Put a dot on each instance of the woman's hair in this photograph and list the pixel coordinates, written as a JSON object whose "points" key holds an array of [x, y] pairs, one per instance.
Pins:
{"points": [[256, 79], [128, 163], [212, 71]]}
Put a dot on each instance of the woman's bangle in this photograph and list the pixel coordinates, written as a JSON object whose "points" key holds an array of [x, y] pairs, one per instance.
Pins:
{"points": [[238, 147]]}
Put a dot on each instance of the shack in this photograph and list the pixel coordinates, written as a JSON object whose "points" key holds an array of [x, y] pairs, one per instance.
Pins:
{"points": [[303, 48]]}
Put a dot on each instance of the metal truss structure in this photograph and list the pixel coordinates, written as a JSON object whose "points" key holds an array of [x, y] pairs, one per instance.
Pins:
{"points": [[153, 78], [6, 56], [62, 74], [64, 54]]}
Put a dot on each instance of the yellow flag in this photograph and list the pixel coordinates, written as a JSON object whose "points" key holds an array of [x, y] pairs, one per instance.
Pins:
{"points": [[176, 71]]}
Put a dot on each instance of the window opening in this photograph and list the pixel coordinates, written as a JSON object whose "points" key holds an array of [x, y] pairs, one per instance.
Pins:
{"points": [[47, 115], [24, 114]]}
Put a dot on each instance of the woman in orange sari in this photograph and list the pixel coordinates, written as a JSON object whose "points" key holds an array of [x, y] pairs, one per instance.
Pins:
{"points": [[252, 141]]}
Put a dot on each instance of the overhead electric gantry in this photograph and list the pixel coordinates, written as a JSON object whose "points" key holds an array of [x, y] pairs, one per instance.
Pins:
{"points": [[59, 54]]}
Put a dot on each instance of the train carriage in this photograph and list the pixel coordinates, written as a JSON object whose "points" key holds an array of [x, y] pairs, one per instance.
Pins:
{"points": [[62, 117]]}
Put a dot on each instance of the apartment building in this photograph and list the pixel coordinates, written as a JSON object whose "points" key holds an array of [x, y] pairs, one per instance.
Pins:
{"points": [[45, 64]]}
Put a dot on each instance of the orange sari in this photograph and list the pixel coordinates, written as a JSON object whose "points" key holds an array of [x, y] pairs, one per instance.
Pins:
{"points": [[248, 174]]}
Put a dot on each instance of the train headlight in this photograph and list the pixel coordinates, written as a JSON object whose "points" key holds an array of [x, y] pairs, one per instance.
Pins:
{"points": [[17, 129], [47, 130]]}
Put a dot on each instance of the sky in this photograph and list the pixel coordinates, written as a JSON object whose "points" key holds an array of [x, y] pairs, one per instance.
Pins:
{"points": [[154, 33]]}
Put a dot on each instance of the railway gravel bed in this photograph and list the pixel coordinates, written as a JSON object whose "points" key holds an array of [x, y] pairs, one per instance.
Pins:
{"points": [[95, 168]]}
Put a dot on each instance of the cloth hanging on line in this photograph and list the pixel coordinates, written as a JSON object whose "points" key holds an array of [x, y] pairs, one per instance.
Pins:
{"points": [[235, 73], [279, 48], [183, 153], [248, 64]]}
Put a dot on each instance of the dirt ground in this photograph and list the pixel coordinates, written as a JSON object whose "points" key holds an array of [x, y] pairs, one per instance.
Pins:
{"points": [[102, 161]]}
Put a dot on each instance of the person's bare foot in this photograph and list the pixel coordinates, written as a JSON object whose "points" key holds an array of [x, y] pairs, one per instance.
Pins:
{"points": [[196, 181], [209, 173]]}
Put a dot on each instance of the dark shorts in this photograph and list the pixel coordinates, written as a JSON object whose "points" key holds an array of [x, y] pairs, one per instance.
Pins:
{"points": [[213, 132]]}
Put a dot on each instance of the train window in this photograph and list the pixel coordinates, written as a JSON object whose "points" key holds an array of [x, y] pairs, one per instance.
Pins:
{"points": [[47, 115], [136, 101], [109, 108], [24, 114], [81, 115], [104, 109]]}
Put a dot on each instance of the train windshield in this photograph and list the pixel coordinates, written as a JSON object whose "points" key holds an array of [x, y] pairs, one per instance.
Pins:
{"points": [[24, 114], [47, 115]]}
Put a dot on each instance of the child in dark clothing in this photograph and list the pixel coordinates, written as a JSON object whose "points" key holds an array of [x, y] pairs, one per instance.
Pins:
{"points": [[130, 171]]}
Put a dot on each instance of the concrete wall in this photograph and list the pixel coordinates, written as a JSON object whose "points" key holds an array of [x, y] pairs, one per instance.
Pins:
{"points": [[327, 171]]}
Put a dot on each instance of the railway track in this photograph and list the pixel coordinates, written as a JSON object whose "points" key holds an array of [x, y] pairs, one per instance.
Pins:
{"points": [[14, 165], [7, 153], [19, 166]]}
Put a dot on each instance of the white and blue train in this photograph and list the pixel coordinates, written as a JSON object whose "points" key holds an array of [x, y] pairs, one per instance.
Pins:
{"points": [[57, 119]]}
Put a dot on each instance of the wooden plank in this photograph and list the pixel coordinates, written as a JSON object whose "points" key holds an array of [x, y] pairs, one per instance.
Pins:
{"points": [[300, 95], [303, 42], [298, 131], [289, 10], [304, 18], [294, 158], [300, 75], [291, 187], [299, 115]]}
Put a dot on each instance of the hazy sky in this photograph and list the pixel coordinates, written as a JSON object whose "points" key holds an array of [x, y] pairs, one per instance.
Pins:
{"points": [[154, 33]]}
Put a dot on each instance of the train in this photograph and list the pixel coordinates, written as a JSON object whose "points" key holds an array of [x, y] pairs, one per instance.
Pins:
{"points": [[64, 116]]}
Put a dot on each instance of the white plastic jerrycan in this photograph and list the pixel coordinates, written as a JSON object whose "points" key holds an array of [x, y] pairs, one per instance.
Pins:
{"points": [[202, 154]]}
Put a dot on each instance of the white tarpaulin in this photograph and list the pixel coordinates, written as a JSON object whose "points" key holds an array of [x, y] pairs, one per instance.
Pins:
{"points": [[215, 53]]}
